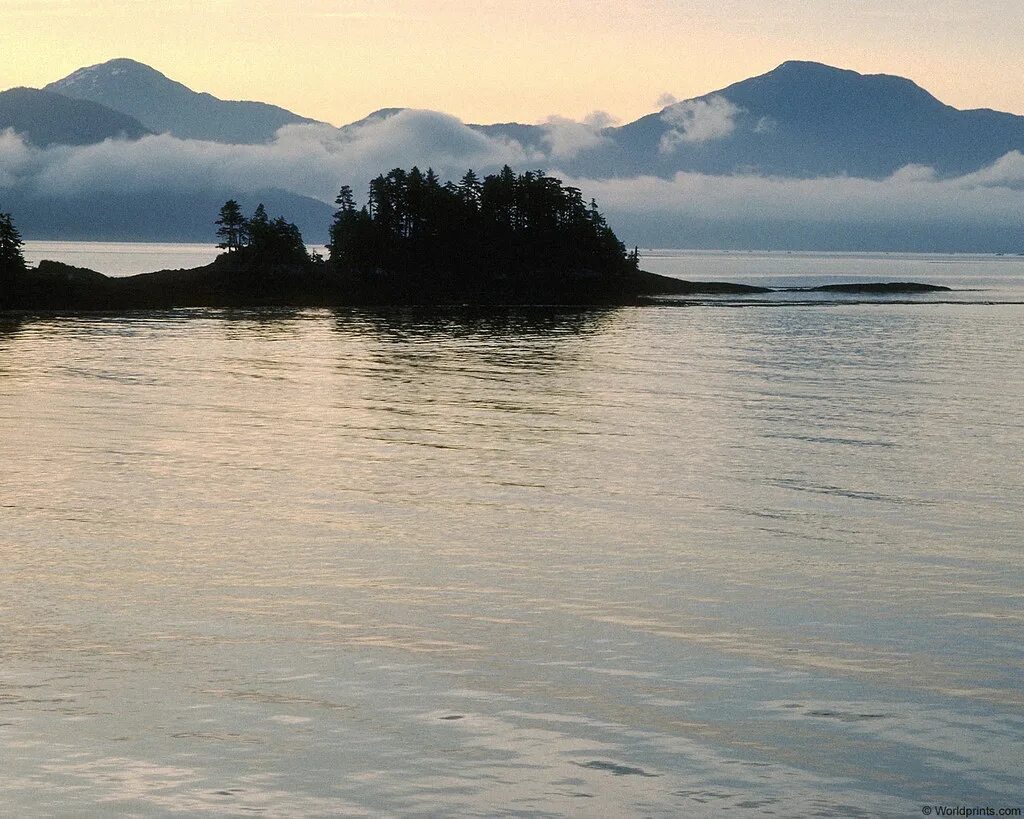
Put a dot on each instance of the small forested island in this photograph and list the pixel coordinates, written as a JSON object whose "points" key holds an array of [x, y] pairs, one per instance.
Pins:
{"points": [[505, 239]]}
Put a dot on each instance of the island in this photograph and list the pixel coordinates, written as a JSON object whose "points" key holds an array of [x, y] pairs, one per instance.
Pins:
{"points": [[876, 288], [506, 239]]}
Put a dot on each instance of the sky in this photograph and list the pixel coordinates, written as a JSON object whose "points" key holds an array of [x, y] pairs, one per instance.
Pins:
{"points": [[488, 61]]}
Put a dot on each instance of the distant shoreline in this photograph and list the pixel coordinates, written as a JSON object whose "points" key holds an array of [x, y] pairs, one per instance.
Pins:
{"points": [[57, 286]]}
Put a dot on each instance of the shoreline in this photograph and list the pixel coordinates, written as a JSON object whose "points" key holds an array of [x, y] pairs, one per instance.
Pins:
{"points": [[222, 283]]}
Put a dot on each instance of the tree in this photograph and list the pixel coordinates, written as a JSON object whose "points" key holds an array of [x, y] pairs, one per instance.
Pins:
{"points": [[11, 258], [259, 244], [258, 227], [343, 225], [232, 226], [346, 202], [503, 231], [469, 189], [275, 242]]}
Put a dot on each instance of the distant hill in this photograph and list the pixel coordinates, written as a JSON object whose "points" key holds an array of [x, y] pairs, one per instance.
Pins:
{"points": [[152, 216], [45, 118], [802, 119], [806, 119], [166, 106]]}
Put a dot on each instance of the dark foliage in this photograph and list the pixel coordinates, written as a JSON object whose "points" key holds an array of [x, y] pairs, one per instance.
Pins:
{"points": [[260, 243], [523, 236], [231, 227], [11, 259], [504, 240]]}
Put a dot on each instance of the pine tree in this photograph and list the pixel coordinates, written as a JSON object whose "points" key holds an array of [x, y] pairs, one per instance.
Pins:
{"points": [[346, 202], [469, 189], [430, 236], [258, 227], [232, 226], [11, 259], [341, 229]]}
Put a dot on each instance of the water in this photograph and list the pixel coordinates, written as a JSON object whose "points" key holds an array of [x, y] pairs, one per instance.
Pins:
{"points": [[651, 561], [122, 258], [973, 278], [127, 258]]}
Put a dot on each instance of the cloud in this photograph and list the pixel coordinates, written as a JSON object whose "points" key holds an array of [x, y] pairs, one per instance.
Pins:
{"points": [[312, 160], [666, 100], [696, 121], [912, 207], [1006, 172], [912, 194], [689, 209], [566, 138], [15, 158]]}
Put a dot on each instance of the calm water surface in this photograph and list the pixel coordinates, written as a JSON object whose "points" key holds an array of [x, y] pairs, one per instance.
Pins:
{"points": [[654, 561], [123, 258]]}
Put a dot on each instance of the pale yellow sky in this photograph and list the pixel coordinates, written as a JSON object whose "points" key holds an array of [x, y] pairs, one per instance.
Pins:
{"points": [[488, 61]]}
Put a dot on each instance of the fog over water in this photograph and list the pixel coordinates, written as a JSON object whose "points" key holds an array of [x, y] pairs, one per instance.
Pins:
{"points": [[649, 561]]}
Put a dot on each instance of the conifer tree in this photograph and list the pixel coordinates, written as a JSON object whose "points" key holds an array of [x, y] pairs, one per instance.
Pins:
{"points": [[429, 235], [11, 259], [258, 226], [232, 226], [345, 201], [469, 188]]}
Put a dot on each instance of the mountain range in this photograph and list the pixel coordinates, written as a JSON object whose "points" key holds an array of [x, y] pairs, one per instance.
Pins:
{"points": [[166, 106], [48, 118], [802, 120]]}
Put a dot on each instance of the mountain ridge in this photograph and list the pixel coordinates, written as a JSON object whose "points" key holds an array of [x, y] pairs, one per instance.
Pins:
{"points": [[46, 118], [806, 119], [167, 106], [800, 121]]}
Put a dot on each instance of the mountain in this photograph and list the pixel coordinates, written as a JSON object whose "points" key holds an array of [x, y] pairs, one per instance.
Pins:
{"points": [[801, 120], [166, 106], [45, 118], [152, 215], [806, 119]]}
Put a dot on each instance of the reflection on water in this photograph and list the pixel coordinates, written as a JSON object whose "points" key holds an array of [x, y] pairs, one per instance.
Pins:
{"points": [[651, 561]]}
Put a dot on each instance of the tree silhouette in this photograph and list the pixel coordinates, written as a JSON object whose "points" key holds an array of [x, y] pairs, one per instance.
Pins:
{"points": [[11, 259], [274, 242], [348, 229], [232, 226], [260, 244], [345, 201], [506, 232]]}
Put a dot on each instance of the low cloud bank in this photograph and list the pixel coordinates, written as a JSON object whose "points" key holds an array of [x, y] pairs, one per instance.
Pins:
{"points": [[914, 193], [912, 209], [306, 159]]}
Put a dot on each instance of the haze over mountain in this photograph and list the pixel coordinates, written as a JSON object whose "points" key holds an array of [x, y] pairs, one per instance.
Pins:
{"points": [[166, 106], [806, 156], [803, 120], [46, 118], [806, 120], [160, 215]]}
